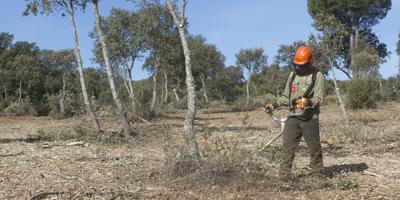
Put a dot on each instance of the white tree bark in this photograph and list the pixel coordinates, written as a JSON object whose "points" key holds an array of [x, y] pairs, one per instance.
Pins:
{"points": [[62, 95], [203, 85], [339, 96], [380, 86], [154, 96], [191, 111], [129, 86], [88, 105], [165, 86], [176, 90], [110, 76], [248, 89]]}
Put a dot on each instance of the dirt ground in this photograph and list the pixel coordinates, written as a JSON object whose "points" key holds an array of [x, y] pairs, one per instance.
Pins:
{"points": [[362, 160]]}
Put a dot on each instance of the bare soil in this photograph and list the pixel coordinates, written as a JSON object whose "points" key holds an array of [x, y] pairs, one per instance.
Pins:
{"points": [[362, 160]]}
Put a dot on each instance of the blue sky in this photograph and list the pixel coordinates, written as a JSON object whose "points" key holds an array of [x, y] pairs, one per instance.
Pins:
{"points": [[229, 24]]}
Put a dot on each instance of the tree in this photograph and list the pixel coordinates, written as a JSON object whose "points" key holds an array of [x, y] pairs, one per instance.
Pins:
{"points": [[329, 48], [164, 45], [103, 42], [191, 111], [60, 65], [398, 51], [227, 83], [124, 32], [206, 61], [358, 17], [47, 7], [253, 60], [272, 79]]}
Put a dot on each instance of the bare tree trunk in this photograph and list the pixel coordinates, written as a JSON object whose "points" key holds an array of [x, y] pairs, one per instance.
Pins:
{"points": [[165, 86], [248, 89], [203, 85], [62, 98], [176, 90], [20, 93], [120, 108], [191, 111], [380, 86], [154, 97], [129, 87], [88, 105], [339, 97]]}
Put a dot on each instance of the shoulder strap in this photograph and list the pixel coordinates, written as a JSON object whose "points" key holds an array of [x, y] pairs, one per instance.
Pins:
{"points": [[290, 85], [311, 87]]}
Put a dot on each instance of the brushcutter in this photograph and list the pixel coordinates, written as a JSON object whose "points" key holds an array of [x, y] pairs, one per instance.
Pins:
{"points": [[280, 122]]}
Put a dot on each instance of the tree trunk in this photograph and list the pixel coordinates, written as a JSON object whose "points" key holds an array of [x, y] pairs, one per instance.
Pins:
{"points": [[88, 105], [176, 90], [191, 111], [339, 97], [62, 98], [165, 86], [381, 87], [203, 85], [154, 97], [129, 87], [120, 108], [248, 89]]}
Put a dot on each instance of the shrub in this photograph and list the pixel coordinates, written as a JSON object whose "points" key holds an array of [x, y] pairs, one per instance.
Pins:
{"points": [[362, 93], [25, 108]]}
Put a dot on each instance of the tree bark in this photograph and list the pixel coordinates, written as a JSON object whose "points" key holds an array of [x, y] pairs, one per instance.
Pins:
{"points": [[62, 98], [88, 105], [154, 96], [120, 108], [176, 90], [380, 86], [248, 89], [203, 85], [129, 86], [339, 97], [191, 111], [165, 86]]}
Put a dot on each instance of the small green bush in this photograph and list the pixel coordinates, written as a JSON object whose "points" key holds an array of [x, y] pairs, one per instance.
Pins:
{"points": [[363, 93]]}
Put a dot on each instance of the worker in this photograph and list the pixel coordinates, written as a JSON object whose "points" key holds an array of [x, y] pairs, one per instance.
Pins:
{"points": [[303, 94]]}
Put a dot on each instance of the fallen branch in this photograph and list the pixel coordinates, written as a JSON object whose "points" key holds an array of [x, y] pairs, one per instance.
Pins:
{"points": [[10, 155], [42, 195], [371, 174]]}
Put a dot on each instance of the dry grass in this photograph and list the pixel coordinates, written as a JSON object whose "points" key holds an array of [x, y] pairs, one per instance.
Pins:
{"points": [[69, 161]]}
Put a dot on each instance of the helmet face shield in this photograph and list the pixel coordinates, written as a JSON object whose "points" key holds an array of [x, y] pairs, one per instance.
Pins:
{"points": [[302, 69]]}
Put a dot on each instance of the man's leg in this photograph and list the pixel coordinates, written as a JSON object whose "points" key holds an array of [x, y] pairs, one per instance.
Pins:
{"points": [[310, 131], [291, 139]]}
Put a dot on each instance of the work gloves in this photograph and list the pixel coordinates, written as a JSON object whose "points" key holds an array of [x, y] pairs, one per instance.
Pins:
{"points": [[300, 103]]}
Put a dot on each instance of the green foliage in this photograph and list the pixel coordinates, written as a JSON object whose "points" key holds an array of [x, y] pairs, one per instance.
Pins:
{"points": [[391, 88], [358, 17], [362, 93], [227, 84], [365, 61], [253, 60], [271, 80]]}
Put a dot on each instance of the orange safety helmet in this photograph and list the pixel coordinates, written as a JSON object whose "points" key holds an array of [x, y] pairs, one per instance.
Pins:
{"points": [[303, 56]]}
